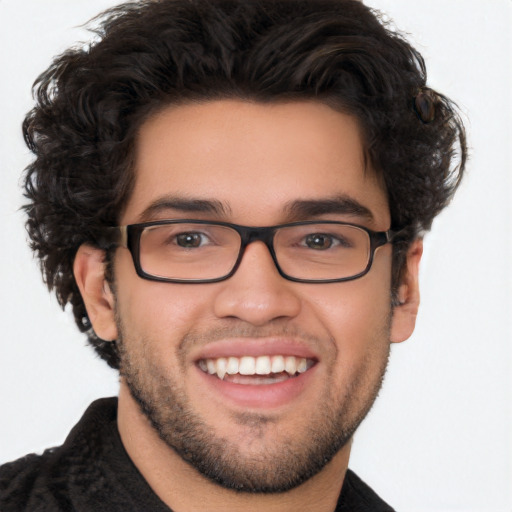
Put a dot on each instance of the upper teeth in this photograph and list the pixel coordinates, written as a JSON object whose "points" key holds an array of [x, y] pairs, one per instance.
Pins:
{"points": [[261, 365]]}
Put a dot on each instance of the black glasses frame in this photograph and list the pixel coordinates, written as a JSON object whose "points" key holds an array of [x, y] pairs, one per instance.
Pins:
{"points": [[129, 236]]}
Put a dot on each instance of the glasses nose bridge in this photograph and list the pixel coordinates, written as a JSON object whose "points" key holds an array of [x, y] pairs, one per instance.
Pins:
{"points": [[252, 234]]}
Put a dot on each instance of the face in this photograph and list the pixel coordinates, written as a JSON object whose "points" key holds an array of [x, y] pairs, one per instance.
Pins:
{"points": [[255, 165]]}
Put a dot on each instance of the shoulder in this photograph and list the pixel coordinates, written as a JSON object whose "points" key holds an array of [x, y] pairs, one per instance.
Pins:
{"points": [[52, 480], [357, 496], [23, 484]]}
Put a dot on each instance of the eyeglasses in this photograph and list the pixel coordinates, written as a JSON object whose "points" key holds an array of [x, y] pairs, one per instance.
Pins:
{"points": [[197, 251]]}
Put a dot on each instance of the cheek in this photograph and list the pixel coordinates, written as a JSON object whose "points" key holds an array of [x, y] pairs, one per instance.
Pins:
{"points": [[157, 312], [357, 318], [356, 314]]}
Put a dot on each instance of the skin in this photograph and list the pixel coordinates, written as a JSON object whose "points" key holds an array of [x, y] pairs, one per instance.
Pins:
{"points": [[254, 159]]}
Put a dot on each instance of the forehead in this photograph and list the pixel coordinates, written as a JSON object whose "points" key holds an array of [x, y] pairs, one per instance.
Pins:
{"points": [[254, 160]]}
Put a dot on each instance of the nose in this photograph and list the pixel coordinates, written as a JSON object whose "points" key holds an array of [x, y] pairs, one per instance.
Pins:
{"points": [[257, 293]]}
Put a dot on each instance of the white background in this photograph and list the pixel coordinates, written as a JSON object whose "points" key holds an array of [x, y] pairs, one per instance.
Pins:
{"points": [[440, 436]]}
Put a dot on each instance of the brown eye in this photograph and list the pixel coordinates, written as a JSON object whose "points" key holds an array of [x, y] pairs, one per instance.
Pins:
{"points": [[189, 240], [319, 241]]}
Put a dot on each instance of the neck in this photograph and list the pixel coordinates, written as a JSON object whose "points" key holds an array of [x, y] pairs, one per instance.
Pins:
{"points": [[184, 489]]}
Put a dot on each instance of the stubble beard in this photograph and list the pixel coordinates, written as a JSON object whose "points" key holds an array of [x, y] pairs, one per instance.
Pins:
{"points": [[272, 469]]}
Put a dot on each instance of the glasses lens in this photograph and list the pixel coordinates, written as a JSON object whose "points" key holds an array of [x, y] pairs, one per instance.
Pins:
{"points": [[322, 251], [188, 251]]}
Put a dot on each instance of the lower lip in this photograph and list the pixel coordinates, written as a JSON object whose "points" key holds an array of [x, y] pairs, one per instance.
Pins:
{"points": [[262, 396]]}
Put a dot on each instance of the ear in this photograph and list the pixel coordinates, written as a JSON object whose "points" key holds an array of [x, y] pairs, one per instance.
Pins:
{"points": [[89, 271], [404, 314]]}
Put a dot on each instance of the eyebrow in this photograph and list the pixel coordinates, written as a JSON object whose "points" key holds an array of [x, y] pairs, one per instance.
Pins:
{"points": [[344, 205], [295, 210], [184, 204]]}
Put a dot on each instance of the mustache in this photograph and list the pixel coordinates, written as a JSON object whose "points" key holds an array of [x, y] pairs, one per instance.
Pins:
{"points": [[201, 337]]}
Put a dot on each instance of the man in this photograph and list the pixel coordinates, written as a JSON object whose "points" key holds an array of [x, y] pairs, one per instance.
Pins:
{"points": [[231, 195]]}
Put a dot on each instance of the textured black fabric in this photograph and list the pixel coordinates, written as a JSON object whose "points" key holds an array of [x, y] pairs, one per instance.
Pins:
{"points": [[91, 472]]}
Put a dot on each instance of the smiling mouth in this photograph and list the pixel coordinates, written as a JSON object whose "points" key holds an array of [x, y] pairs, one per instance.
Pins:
{"points": [[256, 370]]}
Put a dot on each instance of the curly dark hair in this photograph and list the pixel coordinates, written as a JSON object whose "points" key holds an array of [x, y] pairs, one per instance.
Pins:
{"points": [[92, 100]]}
